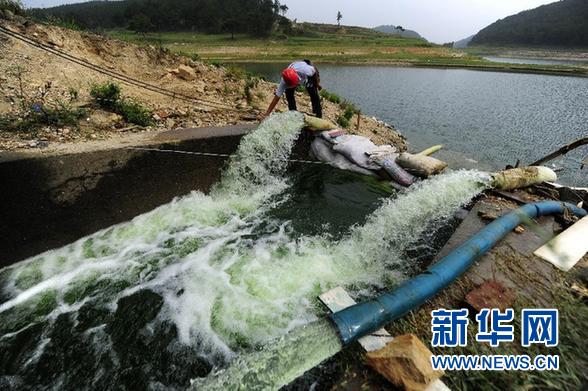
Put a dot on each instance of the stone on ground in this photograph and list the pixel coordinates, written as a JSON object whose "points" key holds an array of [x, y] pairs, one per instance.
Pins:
{"points": [[491, 294], [185, 72], [405, 362]]}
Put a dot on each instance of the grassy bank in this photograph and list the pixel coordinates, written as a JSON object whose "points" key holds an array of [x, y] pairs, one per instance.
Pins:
{"points": [[329, 44]]}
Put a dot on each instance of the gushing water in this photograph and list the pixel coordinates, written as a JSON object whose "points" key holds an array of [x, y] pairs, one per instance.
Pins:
{"points": [[214, 275]]}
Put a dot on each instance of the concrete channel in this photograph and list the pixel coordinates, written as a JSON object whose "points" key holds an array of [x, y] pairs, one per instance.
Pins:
{"points": [[49, 201]]}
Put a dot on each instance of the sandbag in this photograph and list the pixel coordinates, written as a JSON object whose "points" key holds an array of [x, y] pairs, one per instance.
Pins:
{"points": [[421, 165], [431, 150], [517, 178], [332, 135], [385, 156], [317, 124], [382, 151], [322, 151], [397, 173], [356, 148]]}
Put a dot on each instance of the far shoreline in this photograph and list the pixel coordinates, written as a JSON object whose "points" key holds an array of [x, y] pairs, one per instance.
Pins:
{"points": [[506, 68]]}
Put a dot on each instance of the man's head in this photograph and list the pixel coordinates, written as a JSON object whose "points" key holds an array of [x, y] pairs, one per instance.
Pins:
{"points": [[290, 77]]}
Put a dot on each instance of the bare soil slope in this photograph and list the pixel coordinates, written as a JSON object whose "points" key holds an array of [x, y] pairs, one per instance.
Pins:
{"points": [[31, 74]]}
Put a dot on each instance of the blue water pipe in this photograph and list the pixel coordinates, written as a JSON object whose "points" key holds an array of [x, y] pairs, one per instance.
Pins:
{"points": [[367, 317]]}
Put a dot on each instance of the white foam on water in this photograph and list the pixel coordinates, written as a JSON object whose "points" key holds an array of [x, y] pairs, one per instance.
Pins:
{"points": [[231, 278]]}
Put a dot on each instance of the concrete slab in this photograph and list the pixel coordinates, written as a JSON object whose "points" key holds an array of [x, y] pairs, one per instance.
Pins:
{"points": [[338, 299], [565, 250], [200, 133], [512, 256]]}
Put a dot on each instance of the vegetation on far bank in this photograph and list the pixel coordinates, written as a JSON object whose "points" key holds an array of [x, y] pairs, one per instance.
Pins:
{"points": [[326, 44], [560, 24], [259, 31], [256, 17]]}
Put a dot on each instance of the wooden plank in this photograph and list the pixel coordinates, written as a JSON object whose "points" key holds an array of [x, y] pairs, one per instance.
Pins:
{"points": [[338, 299], [562, 151], [566, 249]]}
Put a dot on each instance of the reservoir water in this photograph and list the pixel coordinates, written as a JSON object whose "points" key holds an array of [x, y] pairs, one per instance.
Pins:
{"points": [[485, 119]]}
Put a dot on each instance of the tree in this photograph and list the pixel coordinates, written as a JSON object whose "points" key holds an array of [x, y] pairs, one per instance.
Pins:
{"points": [[15, 6], [140, 23], [256, 17], [283, 9], [339, 17]]}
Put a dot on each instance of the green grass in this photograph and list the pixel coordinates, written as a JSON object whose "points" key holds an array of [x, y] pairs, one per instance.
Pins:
{"points": [[573, 317], [326, 44], [33, 118]]}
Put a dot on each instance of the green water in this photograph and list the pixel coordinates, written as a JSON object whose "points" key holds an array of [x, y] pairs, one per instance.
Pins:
{"points": [[209, 279]]}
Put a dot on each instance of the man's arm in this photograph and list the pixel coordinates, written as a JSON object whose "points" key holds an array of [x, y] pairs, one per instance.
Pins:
{"points": [[317, 78], [271, 107], [274, 102]]}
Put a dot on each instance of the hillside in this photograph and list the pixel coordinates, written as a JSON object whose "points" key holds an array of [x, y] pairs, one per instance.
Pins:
{"points": [[463, 43], [398, 30], [256, 17], [563, 23], [46, 101]]}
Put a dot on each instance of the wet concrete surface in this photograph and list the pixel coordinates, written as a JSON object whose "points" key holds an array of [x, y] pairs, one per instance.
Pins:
{"points": [[512, 257], [51, 201]]}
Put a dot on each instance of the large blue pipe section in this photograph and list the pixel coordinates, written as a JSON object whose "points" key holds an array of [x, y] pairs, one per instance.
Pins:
{"points": [[365, 318]]}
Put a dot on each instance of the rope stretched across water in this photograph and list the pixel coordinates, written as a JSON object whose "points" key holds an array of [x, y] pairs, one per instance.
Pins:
{"points": [[211, 154]]}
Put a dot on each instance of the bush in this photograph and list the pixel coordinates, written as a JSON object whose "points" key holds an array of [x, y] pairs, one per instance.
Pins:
{"points": [[14, 6], [39, 115], [342, 121], [135, 113], [64, 115], [349, 108], [36, 111], [330, 97], [108, 96], [348, 113]]}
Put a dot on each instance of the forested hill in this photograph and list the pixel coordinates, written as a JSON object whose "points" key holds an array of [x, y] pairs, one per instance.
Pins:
{"points": [[255, 17], [563, 23]]}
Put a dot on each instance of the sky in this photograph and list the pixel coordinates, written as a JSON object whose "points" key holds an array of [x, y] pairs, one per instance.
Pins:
{"points": [[437, 20]]}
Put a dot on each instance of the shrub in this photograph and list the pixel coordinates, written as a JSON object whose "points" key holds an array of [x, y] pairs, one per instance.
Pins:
{"points": [[108, 96], [348, 113], [349, 108], [134, 112], [330, 97], [40, 115], [342, 121], [64, 115], [14, 6], [36, 111]]}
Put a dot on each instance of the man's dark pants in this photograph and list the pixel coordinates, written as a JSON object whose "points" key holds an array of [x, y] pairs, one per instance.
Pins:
{"points": [[314, 98]]}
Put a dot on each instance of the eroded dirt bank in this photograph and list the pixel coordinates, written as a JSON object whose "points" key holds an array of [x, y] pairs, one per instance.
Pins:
{"points": [[33, 79]]}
